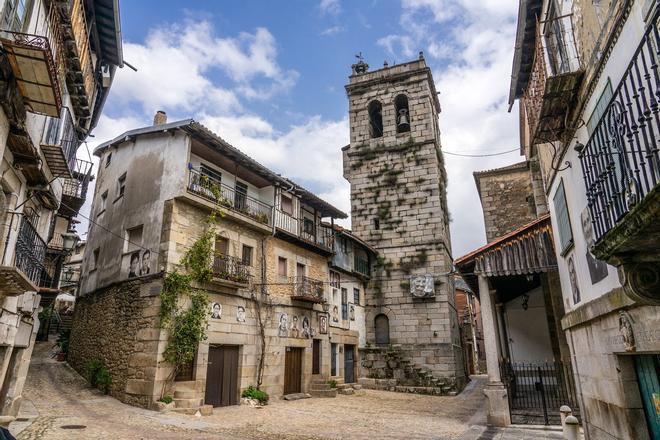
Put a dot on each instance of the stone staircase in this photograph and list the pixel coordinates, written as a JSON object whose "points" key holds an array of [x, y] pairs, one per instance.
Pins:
{"points": [[188, 398], [319, 387], [391, 369]]}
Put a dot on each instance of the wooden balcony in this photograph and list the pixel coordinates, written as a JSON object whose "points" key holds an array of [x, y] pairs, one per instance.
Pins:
{"points": [[361, 266], [304, 232], [307, 289], [74, 190], [555, 79]]}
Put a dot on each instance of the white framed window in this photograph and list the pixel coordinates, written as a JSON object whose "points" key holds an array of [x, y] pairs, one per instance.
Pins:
{"points": [[121, 185], [563, 219]]}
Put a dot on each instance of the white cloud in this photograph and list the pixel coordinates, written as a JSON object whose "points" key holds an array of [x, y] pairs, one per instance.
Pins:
{"points": [[397, 45], [332, 31], [332, 7]]}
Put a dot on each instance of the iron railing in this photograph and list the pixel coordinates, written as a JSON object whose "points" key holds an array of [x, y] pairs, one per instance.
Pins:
{"points": [[309, 232], [62, 132], [307, 289], [231, 268], [30, 252], [361, 265], [536, 391], [620, 162], [215, 191]]}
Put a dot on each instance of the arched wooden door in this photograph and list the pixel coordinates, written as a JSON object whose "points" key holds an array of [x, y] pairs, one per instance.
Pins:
{"points": [[382, 324]]}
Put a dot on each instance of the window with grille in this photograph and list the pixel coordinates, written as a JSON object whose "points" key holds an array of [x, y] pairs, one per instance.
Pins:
{"points": [[563, 219], [209, 172], [247, 255], [356, 296]]}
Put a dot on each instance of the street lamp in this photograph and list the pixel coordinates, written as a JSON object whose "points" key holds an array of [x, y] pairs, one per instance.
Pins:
{"points": [[68, 274], [69, 241]]}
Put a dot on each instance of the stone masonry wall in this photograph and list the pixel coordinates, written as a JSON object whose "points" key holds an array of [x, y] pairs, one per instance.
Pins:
{"points": [[316, 265], [398, 205], [507, 199], [119, 326]]}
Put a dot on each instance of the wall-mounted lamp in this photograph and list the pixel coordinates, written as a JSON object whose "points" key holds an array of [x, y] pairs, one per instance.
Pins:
{"points": [[525, 301]]}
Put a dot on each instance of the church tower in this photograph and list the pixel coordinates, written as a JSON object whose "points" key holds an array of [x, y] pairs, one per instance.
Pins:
{"points": [[398, 183]]}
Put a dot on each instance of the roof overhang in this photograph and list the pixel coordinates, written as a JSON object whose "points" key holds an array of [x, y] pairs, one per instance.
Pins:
{"points": [[523, 56], [108, 24]]}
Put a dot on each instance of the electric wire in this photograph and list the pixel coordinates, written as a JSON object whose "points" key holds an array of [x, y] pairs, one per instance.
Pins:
{"points": [[451, 153]]}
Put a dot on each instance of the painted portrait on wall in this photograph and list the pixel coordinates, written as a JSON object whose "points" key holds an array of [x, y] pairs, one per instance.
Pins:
{"points": [[240, 314], [351, 312], [283, 327], [134, 265], [295, 332], [572, 275], [144, 265], [597, 268], [307, 330], [323, 323], [335, 314], [216, 310]]}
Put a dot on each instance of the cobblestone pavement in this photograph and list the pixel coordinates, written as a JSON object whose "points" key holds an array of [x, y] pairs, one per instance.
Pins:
{"points": [[59, 405]]}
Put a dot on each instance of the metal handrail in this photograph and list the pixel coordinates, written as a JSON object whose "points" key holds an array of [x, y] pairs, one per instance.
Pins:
{"points": [[231, 268], [308, 288], [30, 252]]}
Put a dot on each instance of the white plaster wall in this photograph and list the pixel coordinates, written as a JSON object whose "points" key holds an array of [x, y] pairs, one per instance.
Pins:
{"points": [[576, 198], [529, 338]]}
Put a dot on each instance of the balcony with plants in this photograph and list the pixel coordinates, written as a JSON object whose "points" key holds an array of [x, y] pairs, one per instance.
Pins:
{"points": [[307, 289], [228, 268]]}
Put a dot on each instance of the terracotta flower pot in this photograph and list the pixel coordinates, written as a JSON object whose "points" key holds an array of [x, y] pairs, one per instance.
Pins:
{"points": [[61, 356]]}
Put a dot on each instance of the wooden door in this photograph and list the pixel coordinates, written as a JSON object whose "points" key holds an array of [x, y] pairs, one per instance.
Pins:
{"points": [[293, 370], [382, 324], [222, 376], [349, 363], [648, 376], [333, 359], [316, 356]]}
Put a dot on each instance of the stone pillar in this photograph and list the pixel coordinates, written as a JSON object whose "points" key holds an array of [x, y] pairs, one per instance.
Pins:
{"points": [[501, 327], [498, 403]]}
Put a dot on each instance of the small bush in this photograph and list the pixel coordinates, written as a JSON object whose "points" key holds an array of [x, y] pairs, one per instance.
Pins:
{"points": [[332, 383], [256, 394], [63, 340], [92, 369], [167, 399], [104, 380]]}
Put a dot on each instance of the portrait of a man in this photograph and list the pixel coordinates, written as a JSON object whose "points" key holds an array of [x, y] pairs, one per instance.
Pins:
{"points": [[144, 266], [216, 310], [323, 323], [240, 314], [597, 268], [351, 312], [295, 332], [572, 275], [283, 327], [335, 314], [134, 265]]}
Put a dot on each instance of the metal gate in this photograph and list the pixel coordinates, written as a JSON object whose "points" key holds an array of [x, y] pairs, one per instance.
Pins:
{"points": [[536, 391]]}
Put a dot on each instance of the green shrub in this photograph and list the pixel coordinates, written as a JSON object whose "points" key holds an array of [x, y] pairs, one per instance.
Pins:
{"points": [[332, 383], [167, 399], [63, 340], [104, 380], [256, 394], [92, 369]]}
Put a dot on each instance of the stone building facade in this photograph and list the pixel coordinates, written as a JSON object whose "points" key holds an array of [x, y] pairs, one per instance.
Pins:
{"points": [[596, 145], [398, 206], [52, 94], [270, 297]]}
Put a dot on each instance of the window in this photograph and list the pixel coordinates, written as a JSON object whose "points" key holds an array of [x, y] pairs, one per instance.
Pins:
{"points": [[121, 185], [308, 226], [247, 255], [95, 259], [300, 270], [344, 304], [210, 173], [334, 279], [555, 41], [600, 108], [356, 296], [287, 205], [343, 245], [382, 326], [376, 223], [281, 266], [108, 159], [402, 114], [15, 15], [563, 219], [133, 239], [240, 196], [375, 119], [103, 202]]}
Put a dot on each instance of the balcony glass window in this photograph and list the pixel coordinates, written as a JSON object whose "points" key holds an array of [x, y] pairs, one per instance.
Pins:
{"points": [[14, 15], [247, 255], [308, 226], [287, 205], [563, 219], [556, 42], [211, 173], [600, 108], [240, 196]]}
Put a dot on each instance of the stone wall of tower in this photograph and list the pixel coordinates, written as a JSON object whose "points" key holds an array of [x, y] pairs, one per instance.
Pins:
{"points": [[398, 181]]}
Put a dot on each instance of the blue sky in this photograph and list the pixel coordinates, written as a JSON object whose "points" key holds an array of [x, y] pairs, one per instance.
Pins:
{"points": [[268, 76]]}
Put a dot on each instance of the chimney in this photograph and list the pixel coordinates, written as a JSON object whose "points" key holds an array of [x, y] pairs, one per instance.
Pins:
{"points": [[160, 118]]}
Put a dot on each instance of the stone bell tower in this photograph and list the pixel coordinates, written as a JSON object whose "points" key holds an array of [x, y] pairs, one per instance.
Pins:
{"points": [[398, 183]]}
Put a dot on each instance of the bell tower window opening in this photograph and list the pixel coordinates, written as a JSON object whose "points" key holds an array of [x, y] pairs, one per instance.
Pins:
{"points": [[402, 114], [375, 119]]}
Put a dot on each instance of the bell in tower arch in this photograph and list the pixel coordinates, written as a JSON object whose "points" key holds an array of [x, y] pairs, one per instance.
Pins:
{"points": [[402, 122]]}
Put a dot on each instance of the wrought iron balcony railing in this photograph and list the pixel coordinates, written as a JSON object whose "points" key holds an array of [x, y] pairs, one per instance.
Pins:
{"points": [[30, 255], [620, 162], [215, 191], [554, 79], [59, 144], [307, 289], [307, 231], [231, 268], [361, 265]]}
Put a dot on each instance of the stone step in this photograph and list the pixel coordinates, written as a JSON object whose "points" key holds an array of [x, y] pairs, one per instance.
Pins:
{"points": [[346, 391], [185, 394], [320, 387], [332, 392], [342, 386], [337, 379], [187, 403], [188, 385]]}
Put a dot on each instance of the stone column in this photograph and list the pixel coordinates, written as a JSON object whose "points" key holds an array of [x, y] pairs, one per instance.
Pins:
{"points": [[504, 338], [498, 403]]}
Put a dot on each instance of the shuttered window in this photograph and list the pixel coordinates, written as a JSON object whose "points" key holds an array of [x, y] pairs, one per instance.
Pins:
{"points": [[563, 219]]}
